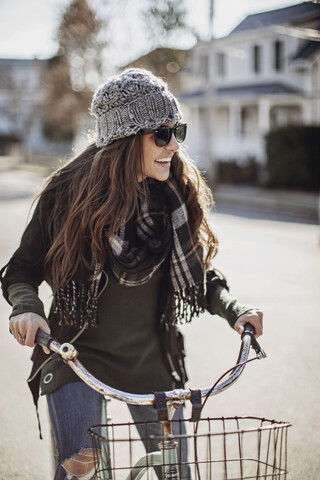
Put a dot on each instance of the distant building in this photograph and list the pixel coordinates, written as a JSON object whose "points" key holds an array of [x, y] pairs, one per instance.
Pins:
{"points": [[21, 132], [264, 74]]}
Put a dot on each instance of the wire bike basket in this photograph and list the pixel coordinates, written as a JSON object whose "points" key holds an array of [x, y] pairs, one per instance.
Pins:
{"points": [[230, 448]]}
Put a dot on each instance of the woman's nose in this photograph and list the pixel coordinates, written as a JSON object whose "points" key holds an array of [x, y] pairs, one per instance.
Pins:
{"points": [[173, 145]]}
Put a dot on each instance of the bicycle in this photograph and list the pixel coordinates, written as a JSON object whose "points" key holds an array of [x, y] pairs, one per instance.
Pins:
{"points": [[209, 442]]}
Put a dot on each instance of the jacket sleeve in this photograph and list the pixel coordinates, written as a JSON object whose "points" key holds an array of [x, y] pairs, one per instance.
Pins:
{"points": [[24, 298], [220, 302], [26, 264]]}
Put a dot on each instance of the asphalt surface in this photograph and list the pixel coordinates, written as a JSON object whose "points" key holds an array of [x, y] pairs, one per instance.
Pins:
{"points": [[271, 264]]}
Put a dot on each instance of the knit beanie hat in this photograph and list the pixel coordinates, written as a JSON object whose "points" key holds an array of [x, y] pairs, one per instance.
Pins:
{"points": [[131, 101]]}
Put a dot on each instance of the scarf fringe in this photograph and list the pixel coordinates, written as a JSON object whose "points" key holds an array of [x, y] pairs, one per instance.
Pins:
{"points": [[77, 304], [188, 304]]}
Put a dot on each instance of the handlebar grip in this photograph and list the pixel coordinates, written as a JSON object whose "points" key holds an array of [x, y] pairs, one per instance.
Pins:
{"points": [[250, 330], [43, 339]]}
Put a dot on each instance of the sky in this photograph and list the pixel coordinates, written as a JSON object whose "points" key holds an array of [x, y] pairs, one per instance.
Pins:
{"points": [[27, 27]]}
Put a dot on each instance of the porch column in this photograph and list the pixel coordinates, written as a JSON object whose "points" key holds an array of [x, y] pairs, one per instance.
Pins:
{"points": [[192, 116], [306, 108], [264, 107], [234, 120], [264, 115]]}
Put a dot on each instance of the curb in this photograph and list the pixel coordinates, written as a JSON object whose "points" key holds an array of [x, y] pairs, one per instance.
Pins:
{"points": [[299, 206]]}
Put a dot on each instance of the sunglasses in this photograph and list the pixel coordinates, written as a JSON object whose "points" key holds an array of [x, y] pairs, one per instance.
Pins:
{"points": [[163, 135]]}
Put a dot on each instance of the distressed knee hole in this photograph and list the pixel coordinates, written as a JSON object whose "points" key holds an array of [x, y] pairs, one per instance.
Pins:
{"points": [[82, 465]]}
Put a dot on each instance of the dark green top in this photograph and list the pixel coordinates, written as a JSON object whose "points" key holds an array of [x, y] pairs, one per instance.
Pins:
{"points": [[124, 351]]}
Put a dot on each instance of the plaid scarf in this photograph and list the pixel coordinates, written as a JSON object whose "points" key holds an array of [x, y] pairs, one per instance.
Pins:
{"points": [[160, 235]]}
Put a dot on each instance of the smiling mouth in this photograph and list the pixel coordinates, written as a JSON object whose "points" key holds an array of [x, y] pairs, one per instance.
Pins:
{"points": [[164, 161]]}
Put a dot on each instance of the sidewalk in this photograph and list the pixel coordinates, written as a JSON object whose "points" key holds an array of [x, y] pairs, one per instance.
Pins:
{"points": [[255, 201]]}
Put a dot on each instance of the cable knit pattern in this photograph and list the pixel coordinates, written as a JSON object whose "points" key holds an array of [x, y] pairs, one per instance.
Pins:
{"points": [[131, 101]]}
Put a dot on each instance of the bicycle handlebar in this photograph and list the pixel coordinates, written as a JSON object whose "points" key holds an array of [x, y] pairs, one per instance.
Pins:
{"points": [[69, 354]]}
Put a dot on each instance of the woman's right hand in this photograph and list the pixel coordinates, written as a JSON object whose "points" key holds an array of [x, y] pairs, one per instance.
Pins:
{"points": [[25, 326]]}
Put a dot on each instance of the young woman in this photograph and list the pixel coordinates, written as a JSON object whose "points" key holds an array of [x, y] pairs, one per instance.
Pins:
{"points": [[121, 234]]}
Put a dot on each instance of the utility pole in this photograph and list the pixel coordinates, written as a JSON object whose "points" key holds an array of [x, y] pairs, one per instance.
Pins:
{"points": [[210, 108], [211, 16]]}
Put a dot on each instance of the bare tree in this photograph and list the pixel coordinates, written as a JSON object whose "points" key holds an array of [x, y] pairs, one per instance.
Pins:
{"points": [[74, 72], [164, 20], [80, 42]]}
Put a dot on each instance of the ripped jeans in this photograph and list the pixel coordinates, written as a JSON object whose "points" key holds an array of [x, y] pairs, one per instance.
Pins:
{"points": [[75, 407]]}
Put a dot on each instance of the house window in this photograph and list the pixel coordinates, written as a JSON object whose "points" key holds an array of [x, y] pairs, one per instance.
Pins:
{"points": [[278, 55], [221, 64], [204, 66], [257, 58]]}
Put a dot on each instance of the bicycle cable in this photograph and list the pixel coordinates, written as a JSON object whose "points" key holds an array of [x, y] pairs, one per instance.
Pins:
{"points": [[222, 376]]}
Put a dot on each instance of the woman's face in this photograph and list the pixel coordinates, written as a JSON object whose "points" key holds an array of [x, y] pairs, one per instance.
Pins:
{"points": [[156, 160]]}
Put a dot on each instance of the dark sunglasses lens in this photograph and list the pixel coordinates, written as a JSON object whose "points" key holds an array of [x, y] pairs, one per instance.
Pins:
{"points": [[180, 133], [163, 136]]}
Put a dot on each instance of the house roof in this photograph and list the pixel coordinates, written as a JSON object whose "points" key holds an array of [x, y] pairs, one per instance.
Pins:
{"points": [[307, 50], [263, 88], [259, 89], [19, 62], [294, 14]]}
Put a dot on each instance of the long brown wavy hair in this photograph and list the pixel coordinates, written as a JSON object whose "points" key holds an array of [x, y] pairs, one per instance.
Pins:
{"points": [[88, 199]]}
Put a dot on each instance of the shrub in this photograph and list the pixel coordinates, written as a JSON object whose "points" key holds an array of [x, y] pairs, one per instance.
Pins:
{"points": [[293, 157]]}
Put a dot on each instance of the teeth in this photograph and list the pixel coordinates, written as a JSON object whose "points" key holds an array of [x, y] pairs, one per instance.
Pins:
{"points": [[164, 160]]}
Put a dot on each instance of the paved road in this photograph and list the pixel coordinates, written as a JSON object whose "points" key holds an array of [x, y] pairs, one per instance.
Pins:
{"points": [[274, 265]]}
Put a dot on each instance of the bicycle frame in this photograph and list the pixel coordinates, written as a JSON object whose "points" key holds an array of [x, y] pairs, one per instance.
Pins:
{"points": [[166, 457]]}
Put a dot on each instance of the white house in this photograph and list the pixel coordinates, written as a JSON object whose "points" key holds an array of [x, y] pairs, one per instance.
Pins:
{"points": [[264, 74]]}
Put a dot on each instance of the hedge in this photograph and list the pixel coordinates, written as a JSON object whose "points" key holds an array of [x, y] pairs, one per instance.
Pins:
{"points": [[293, 157], [246, 173]]}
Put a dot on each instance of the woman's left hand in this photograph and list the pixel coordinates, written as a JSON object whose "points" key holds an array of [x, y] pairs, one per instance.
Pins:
{"points": [[255, 317]]}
